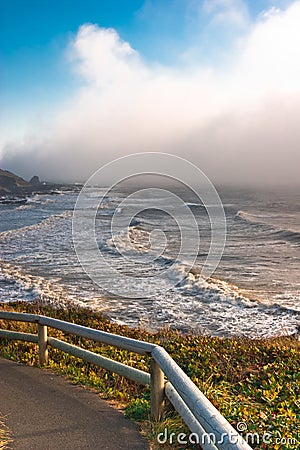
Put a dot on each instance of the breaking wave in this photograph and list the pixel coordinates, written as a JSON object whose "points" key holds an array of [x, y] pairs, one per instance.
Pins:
{"points": [[275, 232], [39, 263], [190, 282], [49, 220], [31, 287]]}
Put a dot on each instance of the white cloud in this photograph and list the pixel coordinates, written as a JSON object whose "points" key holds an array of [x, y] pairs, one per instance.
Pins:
{"points": [[271, 54], [102, 57], [239, 123], [227, 12]]}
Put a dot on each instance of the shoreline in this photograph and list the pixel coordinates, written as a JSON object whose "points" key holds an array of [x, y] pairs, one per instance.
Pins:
{"points": [[26, 192], [103, 315], [57, 304], [12, 185]]}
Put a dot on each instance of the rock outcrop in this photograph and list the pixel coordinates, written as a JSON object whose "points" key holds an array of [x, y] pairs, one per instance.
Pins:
{"points": [[35, 181]]}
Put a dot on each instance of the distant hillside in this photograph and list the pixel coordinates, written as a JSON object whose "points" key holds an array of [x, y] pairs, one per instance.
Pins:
{"points": [[10, 183]]}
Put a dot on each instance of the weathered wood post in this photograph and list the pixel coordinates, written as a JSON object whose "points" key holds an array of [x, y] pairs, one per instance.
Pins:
{"points": [[157, 390], [42, 342]]}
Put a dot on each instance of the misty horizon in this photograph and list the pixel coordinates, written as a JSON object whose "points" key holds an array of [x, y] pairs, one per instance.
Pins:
{"points": [[220, 186]]}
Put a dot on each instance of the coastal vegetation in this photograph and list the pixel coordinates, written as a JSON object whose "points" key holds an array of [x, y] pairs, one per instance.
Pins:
{"points": [[254, 382]]}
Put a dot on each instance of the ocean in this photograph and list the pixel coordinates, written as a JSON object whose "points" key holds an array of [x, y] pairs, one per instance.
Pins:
{"points": [[254, 292]]}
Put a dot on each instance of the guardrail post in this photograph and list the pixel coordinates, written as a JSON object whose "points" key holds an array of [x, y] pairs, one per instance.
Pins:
{"points": [[42, 342], [157, 390]]}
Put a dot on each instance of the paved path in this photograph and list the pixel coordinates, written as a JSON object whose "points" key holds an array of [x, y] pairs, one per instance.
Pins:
{"points": [[46, 412]]}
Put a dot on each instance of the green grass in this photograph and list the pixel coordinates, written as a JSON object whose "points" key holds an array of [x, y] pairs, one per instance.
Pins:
{"points": [[252, 381]]}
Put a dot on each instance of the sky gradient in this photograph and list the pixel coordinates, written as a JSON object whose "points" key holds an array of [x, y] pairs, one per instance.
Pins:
{"points": [[216, 81]]}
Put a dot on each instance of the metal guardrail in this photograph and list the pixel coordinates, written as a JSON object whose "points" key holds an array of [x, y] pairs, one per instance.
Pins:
{"points": [[202, 418]]}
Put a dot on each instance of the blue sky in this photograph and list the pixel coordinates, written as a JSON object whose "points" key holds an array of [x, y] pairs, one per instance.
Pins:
{"points": [[34, 36], [45, 64]]}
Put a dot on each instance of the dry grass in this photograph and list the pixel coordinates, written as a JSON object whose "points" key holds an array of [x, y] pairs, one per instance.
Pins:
{"points": [[4, 434]]}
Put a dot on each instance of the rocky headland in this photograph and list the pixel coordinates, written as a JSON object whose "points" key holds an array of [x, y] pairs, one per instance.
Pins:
{"points": [[13, 186]]}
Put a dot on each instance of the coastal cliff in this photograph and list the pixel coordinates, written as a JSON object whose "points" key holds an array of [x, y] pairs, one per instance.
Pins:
{"points": [[12, 185]]}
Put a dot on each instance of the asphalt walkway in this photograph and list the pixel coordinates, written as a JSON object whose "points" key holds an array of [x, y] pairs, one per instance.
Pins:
{"points": [[46, 412]]}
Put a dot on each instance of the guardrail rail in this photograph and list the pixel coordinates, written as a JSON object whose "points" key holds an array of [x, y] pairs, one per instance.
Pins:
{"points": [[199, 414]]}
